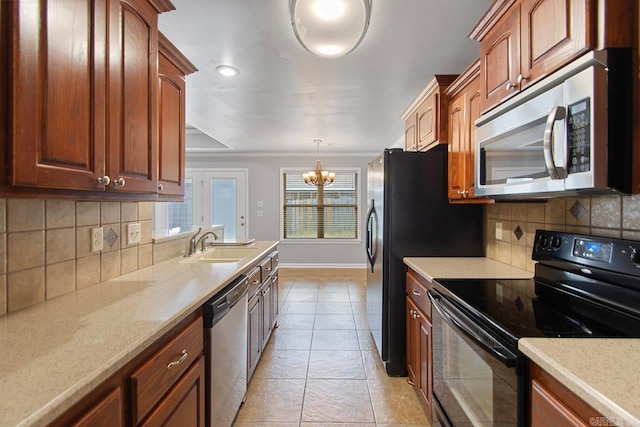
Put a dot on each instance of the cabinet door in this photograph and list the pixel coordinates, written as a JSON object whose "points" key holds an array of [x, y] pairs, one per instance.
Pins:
{"points": [[410, 142], [254, 344], [133, 87], [553, 32], [107, 413], [413, 344], [274, 299], [457, 146], [427, 121], [57, 109], [171, 138], [500, 60], [473, 110], [184, 405], [267, 324], [425, 381]]}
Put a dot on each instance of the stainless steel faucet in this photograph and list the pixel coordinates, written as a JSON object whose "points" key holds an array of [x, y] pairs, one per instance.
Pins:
{"points": [[202, 240], [192, 243]]}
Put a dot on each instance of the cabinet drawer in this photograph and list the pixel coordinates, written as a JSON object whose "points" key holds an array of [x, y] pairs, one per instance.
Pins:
{"points": [[417, 292], [255, 280], [266, 268], [153, 379], [274, 260]]}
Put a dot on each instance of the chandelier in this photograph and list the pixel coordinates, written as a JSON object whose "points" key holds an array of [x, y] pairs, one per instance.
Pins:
{"points": [[318, 177]]}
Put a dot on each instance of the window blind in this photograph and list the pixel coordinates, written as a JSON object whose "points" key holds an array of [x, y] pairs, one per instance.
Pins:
{"points": [[329, 212]]}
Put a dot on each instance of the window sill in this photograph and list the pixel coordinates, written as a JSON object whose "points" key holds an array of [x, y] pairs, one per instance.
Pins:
{"points": [[321, 241]]}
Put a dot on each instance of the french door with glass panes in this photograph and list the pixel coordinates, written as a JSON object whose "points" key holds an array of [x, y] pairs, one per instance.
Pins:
{"points": [[225, 201]]}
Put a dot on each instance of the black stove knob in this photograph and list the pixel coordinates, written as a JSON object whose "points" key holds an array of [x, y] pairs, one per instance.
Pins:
{"points": [[556, 242], [543, 241], [635, 256]]}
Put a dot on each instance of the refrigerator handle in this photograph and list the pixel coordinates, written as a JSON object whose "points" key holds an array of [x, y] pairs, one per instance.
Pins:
{"points": [[371, 252]]}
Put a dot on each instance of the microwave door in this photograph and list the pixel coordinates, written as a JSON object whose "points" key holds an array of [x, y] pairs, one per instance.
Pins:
{"points": [[522, 150]]}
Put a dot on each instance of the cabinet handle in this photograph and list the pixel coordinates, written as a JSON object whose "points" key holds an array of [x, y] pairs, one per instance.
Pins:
{"points": [[105, 180], [160, 187], [416, 315], [256, 282], [522, 78], [510, 86], [416, 293], [179, 361], [268, 268], [119, 182]]}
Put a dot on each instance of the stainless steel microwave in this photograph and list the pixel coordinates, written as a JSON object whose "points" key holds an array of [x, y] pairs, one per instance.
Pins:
{"points": [[568, 134]]}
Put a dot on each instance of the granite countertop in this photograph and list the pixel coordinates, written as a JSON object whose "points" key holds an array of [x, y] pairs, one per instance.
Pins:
{"points": [[54, 353], [602, 371], [464, 268]]}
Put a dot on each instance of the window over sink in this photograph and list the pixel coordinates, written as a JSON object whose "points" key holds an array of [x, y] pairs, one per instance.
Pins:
{"points": [[325, 212]]}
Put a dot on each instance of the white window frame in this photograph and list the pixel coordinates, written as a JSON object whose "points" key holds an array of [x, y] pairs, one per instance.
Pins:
{"points": [[332, 241]]}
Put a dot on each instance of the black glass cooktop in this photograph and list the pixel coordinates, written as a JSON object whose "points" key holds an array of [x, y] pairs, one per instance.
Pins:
{"points": [[529, 308]]}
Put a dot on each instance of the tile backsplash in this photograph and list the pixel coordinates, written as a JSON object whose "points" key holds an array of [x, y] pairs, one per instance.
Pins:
{"points": [[45, 247], [511, 227]]}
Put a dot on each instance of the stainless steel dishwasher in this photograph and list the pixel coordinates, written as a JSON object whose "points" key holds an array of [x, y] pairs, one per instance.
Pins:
{"points": [[225, 320]]}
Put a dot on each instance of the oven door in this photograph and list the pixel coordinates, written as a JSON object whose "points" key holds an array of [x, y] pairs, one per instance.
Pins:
{"points": [[474, 377]]}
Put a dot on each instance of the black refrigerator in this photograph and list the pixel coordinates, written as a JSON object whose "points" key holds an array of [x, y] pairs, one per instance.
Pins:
{"points": [[409, 214]]}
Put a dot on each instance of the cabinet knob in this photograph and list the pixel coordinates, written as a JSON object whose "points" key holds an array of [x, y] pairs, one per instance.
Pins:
{"points": [[105, 180], [522, 78], [160, 187], [119, 182], [510, 86]]}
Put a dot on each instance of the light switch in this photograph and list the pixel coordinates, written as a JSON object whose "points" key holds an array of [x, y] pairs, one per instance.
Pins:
{"points": [[498, 231], [133, 233]]}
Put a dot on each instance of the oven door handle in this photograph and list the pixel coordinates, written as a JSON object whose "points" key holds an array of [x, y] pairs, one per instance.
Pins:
{"points": [[482, 338]]}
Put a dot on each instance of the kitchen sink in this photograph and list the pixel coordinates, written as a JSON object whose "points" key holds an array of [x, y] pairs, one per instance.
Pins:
{"points": [[221, 255]]}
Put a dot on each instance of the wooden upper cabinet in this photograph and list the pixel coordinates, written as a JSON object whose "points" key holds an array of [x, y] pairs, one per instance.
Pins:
{"points": [[410, 141], [81, 78], [523, 41], [553, 32], [464, 99], [172, 70], [425, 119], [133, 90], [56, 90], [500, 61]]}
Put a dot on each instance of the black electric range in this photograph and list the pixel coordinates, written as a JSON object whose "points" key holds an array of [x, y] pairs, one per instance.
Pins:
{"points": [[584, 287]]}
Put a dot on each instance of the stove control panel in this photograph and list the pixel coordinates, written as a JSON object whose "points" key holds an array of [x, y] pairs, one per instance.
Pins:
{"points": [[621, 256], [593, 249]]}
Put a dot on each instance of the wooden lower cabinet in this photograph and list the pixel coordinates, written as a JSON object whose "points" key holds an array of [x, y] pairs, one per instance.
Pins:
{"points": [[107, 413], [162, 386], [263, 311], [552, 404], [184, 405], [419, 340]]}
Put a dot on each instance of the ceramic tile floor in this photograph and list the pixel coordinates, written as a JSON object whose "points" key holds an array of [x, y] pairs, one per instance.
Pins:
{"points": [[320, 367]]}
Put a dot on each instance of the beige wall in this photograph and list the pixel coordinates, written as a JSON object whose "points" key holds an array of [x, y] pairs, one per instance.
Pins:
{"points": [[611, 216]]}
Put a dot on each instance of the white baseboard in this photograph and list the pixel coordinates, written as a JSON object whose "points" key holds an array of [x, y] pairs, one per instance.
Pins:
{"points": [[323, 265]]}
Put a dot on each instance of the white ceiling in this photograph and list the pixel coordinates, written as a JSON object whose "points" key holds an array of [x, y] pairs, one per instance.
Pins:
{"points": [[285, 97]]}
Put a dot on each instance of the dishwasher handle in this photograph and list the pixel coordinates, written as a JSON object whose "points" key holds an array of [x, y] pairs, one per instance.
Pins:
{"points": [[222, 302]]}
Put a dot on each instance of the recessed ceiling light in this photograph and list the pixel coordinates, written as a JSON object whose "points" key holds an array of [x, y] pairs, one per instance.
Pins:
{"points": [[227, 70]]}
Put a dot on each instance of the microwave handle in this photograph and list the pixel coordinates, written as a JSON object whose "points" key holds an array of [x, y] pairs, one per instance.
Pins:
{"points": [[555, 172]]}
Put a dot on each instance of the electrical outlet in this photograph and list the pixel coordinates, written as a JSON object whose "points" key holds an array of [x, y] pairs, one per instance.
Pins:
{"points": [[260, 204], [133, 233], [260, 213], [97, 239], [498, 231]]}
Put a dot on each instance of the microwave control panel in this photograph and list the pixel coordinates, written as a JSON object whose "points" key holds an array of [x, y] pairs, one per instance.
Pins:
{"points": [[579, 136]]}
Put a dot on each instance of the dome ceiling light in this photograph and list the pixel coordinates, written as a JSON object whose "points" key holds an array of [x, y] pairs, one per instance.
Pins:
{"points": [[330, 28]]}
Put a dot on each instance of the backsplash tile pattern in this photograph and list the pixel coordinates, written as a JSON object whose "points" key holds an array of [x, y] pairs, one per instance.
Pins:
{"points": [[45, 247], [608, 216]]}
